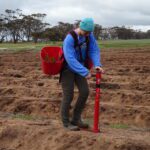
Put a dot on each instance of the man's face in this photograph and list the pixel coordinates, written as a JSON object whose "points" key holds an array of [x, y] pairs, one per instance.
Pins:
{"points": [[85, 33]]}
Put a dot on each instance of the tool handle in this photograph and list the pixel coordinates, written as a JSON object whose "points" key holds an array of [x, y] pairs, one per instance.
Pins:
{"points": [[97, 103]]}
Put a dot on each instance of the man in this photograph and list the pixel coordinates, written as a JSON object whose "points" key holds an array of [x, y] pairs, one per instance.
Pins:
{"points": [[75, 71]]}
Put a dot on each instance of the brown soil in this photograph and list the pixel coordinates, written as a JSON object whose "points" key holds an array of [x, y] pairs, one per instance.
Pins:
{"points": [[124, 114]]}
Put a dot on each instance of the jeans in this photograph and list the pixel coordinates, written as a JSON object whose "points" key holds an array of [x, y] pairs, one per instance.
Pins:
{"points": [[68, 78]]}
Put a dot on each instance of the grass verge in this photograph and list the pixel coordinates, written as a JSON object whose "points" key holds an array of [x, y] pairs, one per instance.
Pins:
{"points": [[119, 126], [23, 117]]}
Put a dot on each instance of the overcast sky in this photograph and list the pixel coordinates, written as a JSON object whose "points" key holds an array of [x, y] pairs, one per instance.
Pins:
{"points": [[135, 13]]}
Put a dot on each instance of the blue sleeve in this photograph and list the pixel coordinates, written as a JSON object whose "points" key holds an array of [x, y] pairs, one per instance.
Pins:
{"points": [[94, 51], [70, 56]]}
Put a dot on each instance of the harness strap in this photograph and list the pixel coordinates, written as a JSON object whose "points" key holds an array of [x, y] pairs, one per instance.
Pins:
{"points": [[76, 44]]}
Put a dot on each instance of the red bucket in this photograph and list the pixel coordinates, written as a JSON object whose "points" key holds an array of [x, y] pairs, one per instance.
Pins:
{"points": [[52, 60]]}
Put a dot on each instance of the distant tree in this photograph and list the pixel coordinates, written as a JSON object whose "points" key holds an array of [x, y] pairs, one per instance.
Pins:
{"points": [[22, 27], [53, 34], [13, 23], [139, 35], [27, 26], [3, 29], [113, 33], [148, 34], [64, 28], [37, 26], [16, 26], [58, 32], [76, 24], [97, 31], [124, 33]]}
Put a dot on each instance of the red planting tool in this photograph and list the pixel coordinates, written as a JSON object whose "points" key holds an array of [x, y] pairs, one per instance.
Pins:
{"points": [[97, 103]]}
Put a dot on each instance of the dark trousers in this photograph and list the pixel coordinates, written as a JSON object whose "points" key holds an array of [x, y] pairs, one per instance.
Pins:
{"points": [[68, 78]]}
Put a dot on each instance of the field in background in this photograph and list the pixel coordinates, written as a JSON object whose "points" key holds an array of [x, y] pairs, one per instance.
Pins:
{"points": [[30, 100], [125, 43], [103, 44]]}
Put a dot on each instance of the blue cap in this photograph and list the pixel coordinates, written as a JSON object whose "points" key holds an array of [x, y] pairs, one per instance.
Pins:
{"points": [[87, 24]]}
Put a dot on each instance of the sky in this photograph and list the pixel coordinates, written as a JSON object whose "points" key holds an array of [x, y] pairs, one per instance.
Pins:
{"points": [[108, 13]]}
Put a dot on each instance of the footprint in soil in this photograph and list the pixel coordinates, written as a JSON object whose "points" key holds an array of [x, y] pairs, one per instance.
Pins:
{"points": [[40, 83], [8, 91], [5, 101], [17, 75], [123, 71], [23, 108], [144, 69]]}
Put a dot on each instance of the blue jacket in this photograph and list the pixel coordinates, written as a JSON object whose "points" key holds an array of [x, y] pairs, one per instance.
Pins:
{"points": [[72, 55]]}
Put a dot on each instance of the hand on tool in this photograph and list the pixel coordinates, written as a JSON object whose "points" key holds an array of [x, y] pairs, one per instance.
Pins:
{"points": [[88, 76], [98, 68]]}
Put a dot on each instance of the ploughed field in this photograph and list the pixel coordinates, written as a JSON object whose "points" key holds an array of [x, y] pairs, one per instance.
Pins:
{"points": [[30, 104]]}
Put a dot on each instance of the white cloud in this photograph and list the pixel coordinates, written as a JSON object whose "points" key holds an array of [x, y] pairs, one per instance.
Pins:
{"points": [[106, 13]]}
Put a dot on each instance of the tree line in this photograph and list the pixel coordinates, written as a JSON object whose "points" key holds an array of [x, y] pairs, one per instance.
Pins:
{"points": [[18, 27]]}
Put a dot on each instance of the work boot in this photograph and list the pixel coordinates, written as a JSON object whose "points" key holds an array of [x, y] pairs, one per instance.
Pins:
{"points": [[72, 127], [80, 124]]}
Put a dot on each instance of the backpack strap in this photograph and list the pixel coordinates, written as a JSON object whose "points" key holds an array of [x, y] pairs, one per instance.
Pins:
{"points": [[76, 44], [87, 45], [75, 37]]}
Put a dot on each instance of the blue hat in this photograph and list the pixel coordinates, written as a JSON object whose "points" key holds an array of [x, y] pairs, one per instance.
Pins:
{"points": [[87, 24]]}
